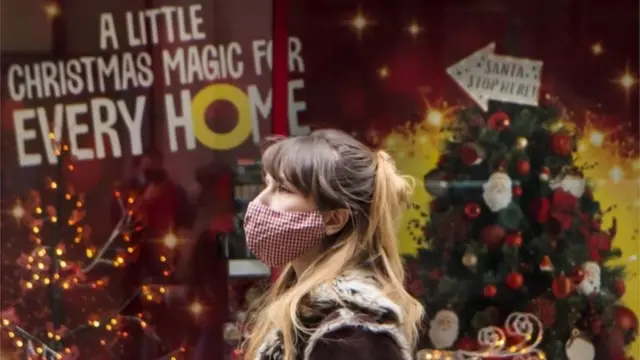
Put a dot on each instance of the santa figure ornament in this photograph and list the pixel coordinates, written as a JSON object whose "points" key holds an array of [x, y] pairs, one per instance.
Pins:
{"points": [[443, 329], [579, 347], [590, 284], [497, 192]]}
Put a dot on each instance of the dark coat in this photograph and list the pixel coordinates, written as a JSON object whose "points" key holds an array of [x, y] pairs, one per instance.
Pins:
{"points": [[353, 320]]}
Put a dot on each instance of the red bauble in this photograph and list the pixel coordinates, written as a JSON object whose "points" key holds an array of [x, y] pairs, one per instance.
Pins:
{"points": [[492, 236], [562, 287], [472, 210], [524, 167], [489, 291], [469, 154], [626, 320], [517, 191], [544, 309], [467, 343], [577, 275], [540, 210], [618, 287], [514, 239], [561, 144], [436, 274], [499, 121], [514, 280], [416, 288]]}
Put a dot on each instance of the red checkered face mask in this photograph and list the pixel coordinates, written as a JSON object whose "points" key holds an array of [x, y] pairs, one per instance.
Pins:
{"points": [[279, 237]]}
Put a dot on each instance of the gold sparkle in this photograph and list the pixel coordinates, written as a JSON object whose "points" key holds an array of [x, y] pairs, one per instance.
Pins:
{"points": [[52, 10], [597, 49]]}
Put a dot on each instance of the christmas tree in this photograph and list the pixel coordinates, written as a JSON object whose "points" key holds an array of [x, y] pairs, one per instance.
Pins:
{"points": [[55, 301], [514, 229]]}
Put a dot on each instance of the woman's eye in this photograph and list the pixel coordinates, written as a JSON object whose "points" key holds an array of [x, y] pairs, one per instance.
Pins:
{"points": [[281, 188]]}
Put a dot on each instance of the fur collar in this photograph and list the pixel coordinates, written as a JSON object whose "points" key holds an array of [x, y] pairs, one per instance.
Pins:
{"points": [[348, 296]]}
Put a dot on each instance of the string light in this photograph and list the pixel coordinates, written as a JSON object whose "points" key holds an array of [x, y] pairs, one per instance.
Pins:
{"points": [[196, 308], [383, 72], [18, 211], [597, 49], [52, 10]]}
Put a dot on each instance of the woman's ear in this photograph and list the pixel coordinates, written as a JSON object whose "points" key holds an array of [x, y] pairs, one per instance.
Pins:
{"points": [[335, 220]]}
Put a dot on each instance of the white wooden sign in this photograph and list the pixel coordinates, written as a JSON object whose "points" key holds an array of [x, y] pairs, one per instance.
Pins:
{"points": [[486, 76]]}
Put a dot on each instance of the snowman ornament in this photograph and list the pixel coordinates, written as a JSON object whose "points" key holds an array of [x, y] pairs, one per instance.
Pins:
{"points": [[591, 282], [443, 329], [579, 347], [572, 182]]}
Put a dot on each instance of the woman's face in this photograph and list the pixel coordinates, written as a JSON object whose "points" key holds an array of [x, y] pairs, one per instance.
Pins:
{"points": [[284, 197]]}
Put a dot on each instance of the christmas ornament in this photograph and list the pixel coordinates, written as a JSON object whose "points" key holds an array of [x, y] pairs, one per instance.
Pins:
{"points": [[499, 121], [489, 291], [573, 183], [519, 338], [546, 264], [626, 320], [416, 288], [561, 144], [523, 167], [469, 260], [577, 275], [443, 329], [435, 183], [521, 142], [514, 240], [449, 227], [591, 282], [618, 287], [467, 343], [540, 210], [492, 236], [514, 280], [578, 347], [471, 154], [517, 191], [544, 309], [544, 174], [472, 210], [497, 191], [562, 287]]}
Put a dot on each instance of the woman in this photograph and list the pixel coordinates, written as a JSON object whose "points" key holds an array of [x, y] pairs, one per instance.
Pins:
{"points": [[328, 215]]}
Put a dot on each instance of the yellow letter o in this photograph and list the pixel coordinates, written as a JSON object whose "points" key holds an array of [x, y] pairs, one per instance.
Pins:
{"points": [[205, 98]]}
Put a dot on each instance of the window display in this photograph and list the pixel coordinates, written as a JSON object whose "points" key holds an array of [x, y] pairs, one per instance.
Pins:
{"points": [[131, 147]]}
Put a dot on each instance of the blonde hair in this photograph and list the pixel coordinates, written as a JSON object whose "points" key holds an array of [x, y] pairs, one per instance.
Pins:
{"points": [[338, 172]]}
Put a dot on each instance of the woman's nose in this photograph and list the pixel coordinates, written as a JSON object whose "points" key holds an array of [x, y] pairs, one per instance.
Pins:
{"points": [[263, 197]]}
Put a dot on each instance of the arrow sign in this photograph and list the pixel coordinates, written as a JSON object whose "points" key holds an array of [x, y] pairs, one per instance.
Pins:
{"points": [[486, 76]]}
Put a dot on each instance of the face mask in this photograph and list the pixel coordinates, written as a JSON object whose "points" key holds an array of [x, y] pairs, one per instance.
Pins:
{"points": [[279, 237]]}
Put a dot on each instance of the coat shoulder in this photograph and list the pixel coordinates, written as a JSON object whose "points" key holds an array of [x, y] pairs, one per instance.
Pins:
{"points": [[355, 343], [360, 318]]}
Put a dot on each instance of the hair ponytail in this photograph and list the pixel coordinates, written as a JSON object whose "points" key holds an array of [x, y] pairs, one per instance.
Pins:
{"points": [[391, 194]]}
